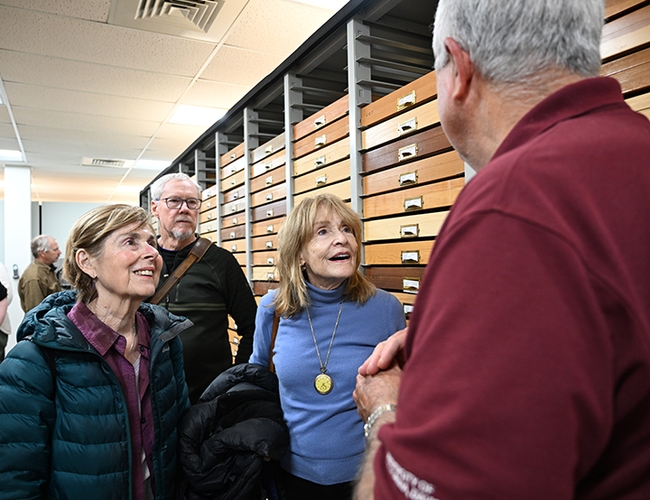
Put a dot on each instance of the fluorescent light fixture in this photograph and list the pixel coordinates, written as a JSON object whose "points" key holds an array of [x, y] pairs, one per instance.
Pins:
{"points": [[196, 115], [1, 101], [10, 155], [333, 5], [151, 164]]}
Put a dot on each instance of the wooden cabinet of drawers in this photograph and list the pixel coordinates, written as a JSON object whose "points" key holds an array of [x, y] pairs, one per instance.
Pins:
{"points": [[208, 215], [234, 207], [340, 189], [270, 178], [273, 193], [322, 176], [400, 278], [322, 118], [232, 220], [405, 227], [269, 226], [264, 273], [326, 136], [264, 258], [261, 288], [208, 226], [625, 33], [209, 203], [234, 246], [233, 233], [234, 194], [233, 154], [326, 156], [236, 179], [268, 148], [268, 164], [412, 252], [267, 242], [269, 211]]}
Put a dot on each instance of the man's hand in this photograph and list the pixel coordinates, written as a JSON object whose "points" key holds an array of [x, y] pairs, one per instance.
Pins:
{"points": [[376, 390], [386, 352]]}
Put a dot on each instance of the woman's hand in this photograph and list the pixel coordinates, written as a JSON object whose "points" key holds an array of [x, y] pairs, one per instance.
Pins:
{"points": [[389, 351]]}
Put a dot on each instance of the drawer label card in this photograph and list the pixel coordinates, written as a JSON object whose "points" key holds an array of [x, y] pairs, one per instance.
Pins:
{"points": [[410, 285], [320, 141], [321, 180], [408, 309], [269, 149], [406, 101], [269, 228], [269, 180], [234, 221], [411, 257], [407, 127], [320, 121], [408, 178], [413, 204], [269, 244], [269, 196], [410, 151], [409, 231], [320, 161]]}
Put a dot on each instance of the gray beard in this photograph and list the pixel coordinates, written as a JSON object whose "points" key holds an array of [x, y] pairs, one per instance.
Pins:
{"points": [[180, 235]]}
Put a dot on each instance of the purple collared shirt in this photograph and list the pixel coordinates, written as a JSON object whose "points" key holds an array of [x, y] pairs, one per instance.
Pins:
{"points": [[111, 346]]}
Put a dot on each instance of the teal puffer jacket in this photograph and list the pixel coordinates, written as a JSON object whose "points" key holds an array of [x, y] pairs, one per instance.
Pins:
{"points": [[72, 441]]}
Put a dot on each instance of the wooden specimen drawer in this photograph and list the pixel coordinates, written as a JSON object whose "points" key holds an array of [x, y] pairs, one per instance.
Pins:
{"points": [[267, 149], [208, 193], [234, 194], [267, 227], [322, 176], [437, 195], [209, 203], [262, 287], [240, 257], [232, 168], [233, 207], [273, 193], [405, 227], [418, 172], [632, 71], [407, 300], [233, 233], [625, 33], [268, 164], [326, 156], [420, 145], [234, 246], [232, 155], [264, 273], [271, 178], [340, 189], [236, 179], [413, 94], [613, 7], [232, 220], [208, 215], [212, 236], [640, 103], [318, 120], [269, 211], [403, 124], [269, 242], [404, 278], [328, 135], [411, 252], [208, 226], [264, 258]]}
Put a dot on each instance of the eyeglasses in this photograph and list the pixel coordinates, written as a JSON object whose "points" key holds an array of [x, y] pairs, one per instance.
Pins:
{"points": [[175, 203]]}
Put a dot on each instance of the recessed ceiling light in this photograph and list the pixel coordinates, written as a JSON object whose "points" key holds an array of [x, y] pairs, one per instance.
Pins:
{"points": [[10, 155], [196, 115]]}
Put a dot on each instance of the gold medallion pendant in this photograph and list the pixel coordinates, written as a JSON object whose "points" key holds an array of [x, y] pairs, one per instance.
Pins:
{"points": [[323, 383]]}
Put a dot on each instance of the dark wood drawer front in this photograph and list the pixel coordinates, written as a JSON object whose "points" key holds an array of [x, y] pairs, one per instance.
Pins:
{"points": [[263, 287], [632, 72], [271, 178], [233, 233], [322, 118], [400, 278], [269, 211]]}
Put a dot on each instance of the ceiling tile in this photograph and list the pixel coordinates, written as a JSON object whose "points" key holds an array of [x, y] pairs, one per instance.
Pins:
{"points": [[92, 10], [217, 95], [240, 66]]}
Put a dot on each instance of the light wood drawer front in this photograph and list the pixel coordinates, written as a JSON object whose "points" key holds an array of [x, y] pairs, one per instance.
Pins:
{"points": [[613, 7], [232, 168], [209, 203], [233, 220], [270, 226], [233, 207], [233, 233], [273, 193], [212, 236], [640, 103], [261, 288], [267, 149], [321, 118], [269, 242], [208, 194], [437, 195], [234, 246], [340, 189], [264, 258], [268, 164], [328, 135], [208, 226], [326, 156], [631, 71], [413, 94], [412, 252], [420, 145], [264, 273], [240, 257], [407, 300], [403, 124], [418, 172], [237, 179], [271, 178], [208, 215], [269, 211], [401, 278], [625, 33], [406, 227], [232, 155], [322, 176], [234, 194]]}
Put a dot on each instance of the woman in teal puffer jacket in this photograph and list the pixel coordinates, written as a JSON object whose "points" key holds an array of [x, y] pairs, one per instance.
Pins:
{"points": [[91, 396]]}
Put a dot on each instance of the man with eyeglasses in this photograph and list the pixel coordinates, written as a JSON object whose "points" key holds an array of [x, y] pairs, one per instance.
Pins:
{"points": [[39, 278], [208, 292]]}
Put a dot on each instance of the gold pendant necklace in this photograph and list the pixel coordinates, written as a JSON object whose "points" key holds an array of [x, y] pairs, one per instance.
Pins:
{"points": [[323, 382]]}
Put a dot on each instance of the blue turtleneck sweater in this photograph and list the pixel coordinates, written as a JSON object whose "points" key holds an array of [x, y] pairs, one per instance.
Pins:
{"points": [[327, 441]]}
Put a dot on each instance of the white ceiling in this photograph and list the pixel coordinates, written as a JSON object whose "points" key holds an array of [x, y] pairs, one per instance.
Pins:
{"points": [[83, 78]]}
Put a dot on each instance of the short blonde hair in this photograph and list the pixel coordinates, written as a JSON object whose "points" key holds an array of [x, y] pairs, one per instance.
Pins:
{"points": [[90, 233], [295, 232]]}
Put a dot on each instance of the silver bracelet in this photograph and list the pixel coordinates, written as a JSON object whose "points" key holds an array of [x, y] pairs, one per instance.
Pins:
{"points": [[375, 415]]}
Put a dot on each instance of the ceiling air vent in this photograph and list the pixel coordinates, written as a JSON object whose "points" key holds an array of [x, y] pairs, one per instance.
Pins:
{"points": [[103, 162], [200, 12]]}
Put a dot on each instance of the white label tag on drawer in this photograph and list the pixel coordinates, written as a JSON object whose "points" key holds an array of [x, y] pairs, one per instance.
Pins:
{"points": [[208, 205], [409, 231], [269, 180], [408, 178], [407, 127], [319, 122], [269, 197], [320, 141], [232, 235], [233, 248], [269, 149], [406, 101], [270, 261], [411, 257], [408, 309], [270, 276], [269, 244], [210, 216], [320, 180], [234, 221], [269, 228], [410, 151], [269, 213], [410, 285], [320, 161], [235, 195], [414, 204]]}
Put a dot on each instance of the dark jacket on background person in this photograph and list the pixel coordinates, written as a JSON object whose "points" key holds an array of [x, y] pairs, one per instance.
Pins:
{"points": [[224, 439], [71, 440], [208, 292]]}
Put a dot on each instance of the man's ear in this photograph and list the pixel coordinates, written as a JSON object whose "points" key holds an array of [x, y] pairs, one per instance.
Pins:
{"points": [[154, 207], [462, 67], [85, 262]]}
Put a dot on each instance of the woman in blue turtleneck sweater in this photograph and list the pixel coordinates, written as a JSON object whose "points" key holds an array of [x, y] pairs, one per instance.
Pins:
{"points": [[331, 318]]}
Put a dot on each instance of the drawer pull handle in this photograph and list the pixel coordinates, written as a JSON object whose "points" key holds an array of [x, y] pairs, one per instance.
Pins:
{"points": [[233, 248], [409, 231], [233, 182], [269, 180], [267, 166], [269, 149], [269, 213], [235, 195], [407, 152], [408, 309], [270, 261], [209, 216], [233, 156], [320, 141], [269, 244], [269, 228], [408, 178], [270, 276], [407, 127], [406, 101], [410, 285], [232, 235], [321, 180], [414, 204], [411, 257], [234, 221], [320, 161], [234, 208], [319, 122], [269, 197], [208, 205]]}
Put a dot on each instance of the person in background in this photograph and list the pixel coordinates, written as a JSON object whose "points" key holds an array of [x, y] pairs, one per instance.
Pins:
{"points": [[527, 357], [208, 292], [331, 318], [39, 278], [5, 324], [91, 395]]}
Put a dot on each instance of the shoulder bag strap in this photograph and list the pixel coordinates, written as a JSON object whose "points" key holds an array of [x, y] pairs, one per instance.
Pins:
{"points": [[198, 251], [276, 322]]}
